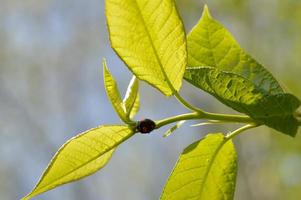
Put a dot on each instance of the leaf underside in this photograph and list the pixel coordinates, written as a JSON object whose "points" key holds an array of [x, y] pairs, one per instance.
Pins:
{"points": [[81, 156], [275, 111], [149, 37], [205, 170], [131, 101], [135, 107], [219, 66]]}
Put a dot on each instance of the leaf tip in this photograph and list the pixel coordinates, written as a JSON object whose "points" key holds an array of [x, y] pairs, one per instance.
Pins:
{"points": [[206, 12], [104, 64], [106, 71], [27, 197]]}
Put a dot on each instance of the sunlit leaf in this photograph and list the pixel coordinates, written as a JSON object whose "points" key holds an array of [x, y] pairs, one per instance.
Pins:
{"points": [[149, 37], [81, 156], [113, 93], [218, 65], [211, 44], [205, 170], [173, 128], [131, 100]]}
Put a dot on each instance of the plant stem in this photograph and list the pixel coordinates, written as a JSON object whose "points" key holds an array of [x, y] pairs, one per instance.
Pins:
{"points": [[177, 118], [200, 114], [186, 104], [204, 115], [240, 130], [228, 118], [210, 122]]}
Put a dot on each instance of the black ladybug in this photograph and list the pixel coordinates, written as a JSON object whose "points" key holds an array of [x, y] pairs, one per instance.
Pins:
{"points": [[145, 126]]}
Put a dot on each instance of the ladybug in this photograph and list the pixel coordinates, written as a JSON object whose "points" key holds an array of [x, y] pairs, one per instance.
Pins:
{"points": [[145, 126]]}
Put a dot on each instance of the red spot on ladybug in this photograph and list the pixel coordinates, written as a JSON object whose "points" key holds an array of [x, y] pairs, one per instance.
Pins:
{"points": [[145, 126]]}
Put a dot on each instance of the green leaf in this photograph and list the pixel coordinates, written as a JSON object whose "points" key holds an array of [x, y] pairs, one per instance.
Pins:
{"points": [[173, 128], [210, 44], [274, 110], [149, 37], [81, 156], [219, 66], [113, 93], [206, 170], [131, 100]]}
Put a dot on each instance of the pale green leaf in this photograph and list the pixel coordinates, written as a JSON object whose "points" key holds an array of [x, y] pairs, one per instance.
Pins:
{"points": [[210, 44], [274, 110], [173, 128], [131, 100], [113, 93], [206, 170], [81, 156], [149, 37]]}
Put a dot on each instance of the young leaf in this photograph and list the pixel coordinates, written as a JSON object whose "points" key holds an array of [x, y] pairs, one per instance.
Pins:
{"points": [[206, 170], [81, 156], [131, 99], [136, 107], [113, 93], [210, 44], [274, 110], [149, 37], [173, 128]]}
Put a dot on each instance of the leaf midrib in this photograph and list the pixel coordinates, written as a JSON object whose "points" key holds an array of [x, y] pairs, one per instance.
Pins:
{"points": [[173, 90], [210, 165]]}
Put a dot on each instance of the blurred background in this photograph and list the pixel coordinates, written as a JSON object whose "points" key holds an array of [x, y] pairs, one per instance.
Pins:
{"points": [[51, 88]]}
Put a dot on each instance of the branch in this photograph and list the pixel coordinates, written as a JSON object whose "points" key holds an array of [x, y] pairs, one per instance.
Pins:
{"points": [[186, 104]]}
